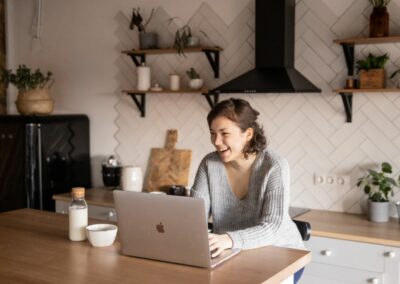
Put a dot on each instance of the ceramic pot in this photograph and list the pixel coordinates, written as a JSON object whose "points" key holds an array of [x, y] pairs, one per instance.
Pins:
{"points": [[379, 22], [36, 101], [148, 40], [378, 211], [196, 84], [131, 178]]}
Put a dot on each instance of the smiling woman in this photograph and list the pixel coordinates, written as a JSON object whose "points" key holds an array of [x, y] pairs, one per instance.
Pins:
{"points": [[245, 186]]}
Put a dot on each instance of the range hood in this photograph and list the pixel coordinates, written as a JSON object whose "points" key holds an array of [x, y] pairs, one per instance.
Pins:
{"points": [[274, 71]]}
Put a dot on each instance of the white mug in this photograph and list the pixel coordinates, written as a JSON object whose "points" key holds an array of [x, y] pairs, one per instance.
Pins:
{"points": [[131, 178]]}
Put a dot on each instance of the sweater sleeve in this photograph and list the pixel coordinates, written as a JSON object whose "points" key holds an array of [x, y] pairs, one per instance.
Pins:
{"points": [[275, 204], [200, 186]]}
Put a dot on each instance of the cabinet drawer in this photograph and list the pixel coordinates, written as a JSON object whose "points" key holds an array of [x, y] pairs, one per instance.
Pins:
{"points": [[103, 213], [317, 273], [94, 211], [347, 253]]}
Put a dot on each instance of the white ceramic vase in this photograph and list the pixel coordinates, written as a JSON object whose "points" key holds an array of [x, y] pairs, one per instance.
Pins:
{"points": [[131, 178]]}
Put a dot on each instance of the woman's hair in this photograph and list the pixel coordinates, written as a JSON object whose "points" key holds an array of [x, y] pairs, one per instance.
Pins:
{"points": [[240, 112]]}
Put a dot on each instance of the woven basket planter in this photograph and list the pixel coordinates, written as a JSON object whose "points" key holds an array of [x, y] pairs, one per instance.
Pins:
{"points": [[37, 101]]}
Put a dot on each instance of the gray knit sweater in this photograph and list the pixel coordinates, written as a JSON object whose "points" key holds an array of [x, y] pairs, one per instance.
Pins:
{"points": [[262, 217]]}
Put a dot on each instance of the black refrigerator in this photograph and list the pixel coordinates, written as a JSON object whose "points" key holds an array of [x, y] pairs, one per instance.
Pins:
{"points": [[41, 156]]}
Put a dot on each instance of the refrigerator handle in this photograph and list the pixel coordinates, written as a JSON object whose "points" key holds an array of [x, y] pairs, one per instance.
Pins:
{"points": [[39, 163], [30, 166]]}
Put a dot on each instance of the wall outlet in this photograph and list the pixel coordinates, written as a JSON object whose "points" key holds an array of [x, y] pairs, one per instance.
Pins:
{"points": [[331, 180]]}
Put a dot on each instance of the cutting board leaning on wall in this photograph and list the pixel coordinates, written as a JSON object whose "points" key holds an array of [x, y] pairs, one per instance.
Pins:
{"points": [[168, 166]]}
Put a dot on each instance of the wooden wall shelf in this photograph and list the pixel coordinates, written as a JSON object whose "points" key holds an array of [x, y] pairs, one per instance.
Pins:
{"points": [[348, 50], [212, 53], [139, 97]]}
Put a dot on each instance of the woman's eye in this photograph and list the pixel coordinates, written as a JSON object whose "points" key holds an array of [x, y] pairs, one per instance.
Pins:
{"points": [[225, 134]]}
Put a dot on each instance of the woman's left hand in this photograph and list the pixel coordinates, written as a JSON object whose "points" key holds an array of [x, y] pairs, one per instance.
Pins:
{"points": [[219, 243]]}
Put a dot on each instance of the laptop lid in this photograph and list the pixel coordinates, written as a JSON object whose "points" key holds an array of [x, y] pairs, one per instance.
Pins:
{"points": [[163, 227]]}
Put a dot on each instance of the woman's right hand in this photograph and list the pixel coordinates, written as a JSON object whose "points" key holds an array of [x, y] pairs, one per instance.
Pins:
{"points": [[219, 243]]}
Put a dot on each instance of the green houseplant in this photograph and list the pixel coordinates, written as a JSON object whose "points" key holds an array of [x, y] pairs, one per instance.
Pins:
{"points": [[184, 37], [371, 71], [379, 19], [195, 82], [146, 39], [33, 89], [379, 188]]}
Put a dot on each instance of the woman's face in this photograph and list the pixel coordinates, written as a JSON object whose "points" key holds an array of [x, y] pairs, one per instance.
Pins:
{"points": [[228, 139]]}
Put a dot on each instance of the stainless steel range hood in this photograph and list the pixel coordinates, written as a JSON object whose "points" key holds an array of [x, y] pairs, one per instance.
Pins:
{"points": [[274, 71]]}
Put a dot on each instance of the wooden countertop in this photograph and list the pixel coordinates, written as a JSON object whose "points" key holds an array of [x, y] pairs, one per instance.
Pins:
{"points": [[35, 248], [94, 196], [352, 227]]}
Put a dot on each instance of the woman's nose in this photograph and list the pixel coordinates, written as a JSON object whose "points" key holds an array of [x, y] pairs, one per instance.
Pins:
{"points": [[217, 140]]}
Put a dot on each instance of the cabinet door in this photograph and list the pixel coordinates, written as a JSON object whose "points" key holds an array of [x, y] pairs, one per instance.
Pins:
{"points": [[350, 254], [392, 265], [318, 273]]}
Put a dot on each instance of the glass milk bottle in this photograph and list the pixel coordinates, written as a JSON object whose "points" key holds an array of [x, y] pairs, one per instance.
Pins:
{"points": [[78, 215]]}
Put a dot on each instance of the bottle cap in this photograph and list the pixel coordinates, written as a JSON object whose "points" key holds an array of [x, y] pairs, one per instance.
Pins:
{"points": [[78, 192]]}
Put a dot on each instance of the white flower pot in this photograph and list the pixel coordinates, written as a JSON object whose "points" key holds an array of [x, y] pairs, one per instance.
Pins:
{"points": [[378, 211], [196, 84]]}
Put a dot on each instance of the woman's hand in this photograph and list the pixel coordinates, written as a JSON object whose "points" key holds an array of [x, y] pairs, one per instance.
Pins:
{"points": [[219, 243]]}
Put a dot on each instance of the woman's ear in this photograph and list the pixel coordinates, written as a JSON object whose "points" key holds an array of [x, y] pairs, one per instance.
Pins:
{"points": [[249, 134]]}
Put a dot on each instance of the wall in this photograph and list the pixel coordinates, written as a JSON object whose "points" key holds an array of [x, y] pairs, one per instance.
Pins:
{"points": [[81, 43]]}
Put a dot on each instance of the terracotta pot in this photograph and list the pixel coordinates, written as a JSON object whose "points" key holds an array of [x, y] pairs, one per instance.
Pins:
{"points": [[37, 101], [379, 22]]}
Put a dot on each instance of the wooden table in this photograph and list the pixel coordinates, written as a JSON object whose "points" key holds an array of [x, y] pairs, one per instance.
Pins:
{"points": [[34, 248]]}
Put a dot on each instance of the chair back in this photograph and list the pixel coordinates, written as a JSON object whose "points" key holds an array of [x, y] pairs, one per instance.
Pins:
{"points": [[304, 229]]}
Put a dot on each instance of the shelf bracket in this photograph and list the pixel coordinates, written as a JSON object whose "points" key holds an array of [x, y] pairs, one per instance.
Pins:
{"points": [[212, 98], [348, 50], [347, 99], [140, 101], [213, 59], [138, 59]]}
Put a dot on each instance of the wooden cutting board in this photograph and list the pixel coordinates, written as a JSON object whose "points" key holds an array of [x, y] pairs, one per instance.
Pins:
{"points": [[168, 166]]}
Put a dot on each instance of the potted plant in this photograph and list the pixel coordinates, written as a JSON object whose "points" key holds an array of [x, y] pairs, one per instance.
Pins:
{"points": [[184, 37], [33, 90], [379, 187], [379, 19], [147, 40], [371, 71], [195, 82]]}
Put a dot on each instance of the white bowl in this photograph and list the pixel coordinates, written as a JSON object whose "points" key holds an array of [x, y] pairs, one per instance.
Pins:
{"points": [[101, 235]]}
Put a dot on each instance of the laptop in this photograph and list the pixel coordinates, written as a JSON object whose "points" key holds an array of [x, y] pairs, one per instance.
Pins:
{"points": [[165, 227]]}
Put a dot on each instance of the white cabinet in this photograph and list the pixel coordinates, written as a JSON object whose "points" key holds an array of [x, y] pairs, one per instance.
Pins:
{"points": [[338, 261], [94, 211]]}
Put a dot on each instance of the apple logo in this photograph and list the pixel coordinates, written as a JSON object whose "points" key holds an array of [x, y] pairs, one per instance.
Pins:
{"points": [[160, 228]]}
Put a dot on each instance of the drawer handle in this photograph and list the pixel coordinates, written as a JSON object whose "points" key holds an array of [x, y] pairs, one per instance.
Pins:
{"points": [[390, 254], [110, 214], [326, 252], [374, 280]]}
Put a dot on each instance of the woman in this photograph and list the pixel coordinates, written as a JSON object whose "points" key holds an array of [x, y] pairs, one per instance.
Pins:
{"points": [[245, 186]]}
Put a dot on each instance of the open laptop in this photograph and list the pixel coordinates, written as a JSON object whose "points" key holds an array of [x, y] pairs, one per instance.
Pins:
{"points": [[164, 227]]}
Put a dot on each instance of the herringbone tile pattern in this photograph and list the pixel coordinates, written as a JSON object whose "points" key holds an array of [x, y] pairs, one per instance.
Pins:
{"points": [[308, 129]]}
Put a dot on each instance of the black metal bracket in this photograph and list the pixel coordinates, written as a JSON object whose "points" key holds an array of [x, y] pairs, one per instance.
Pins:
{"points": [[212, 98], [347, 99], [348, 50], [138, 59], [140, 101], [213, 59]]}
